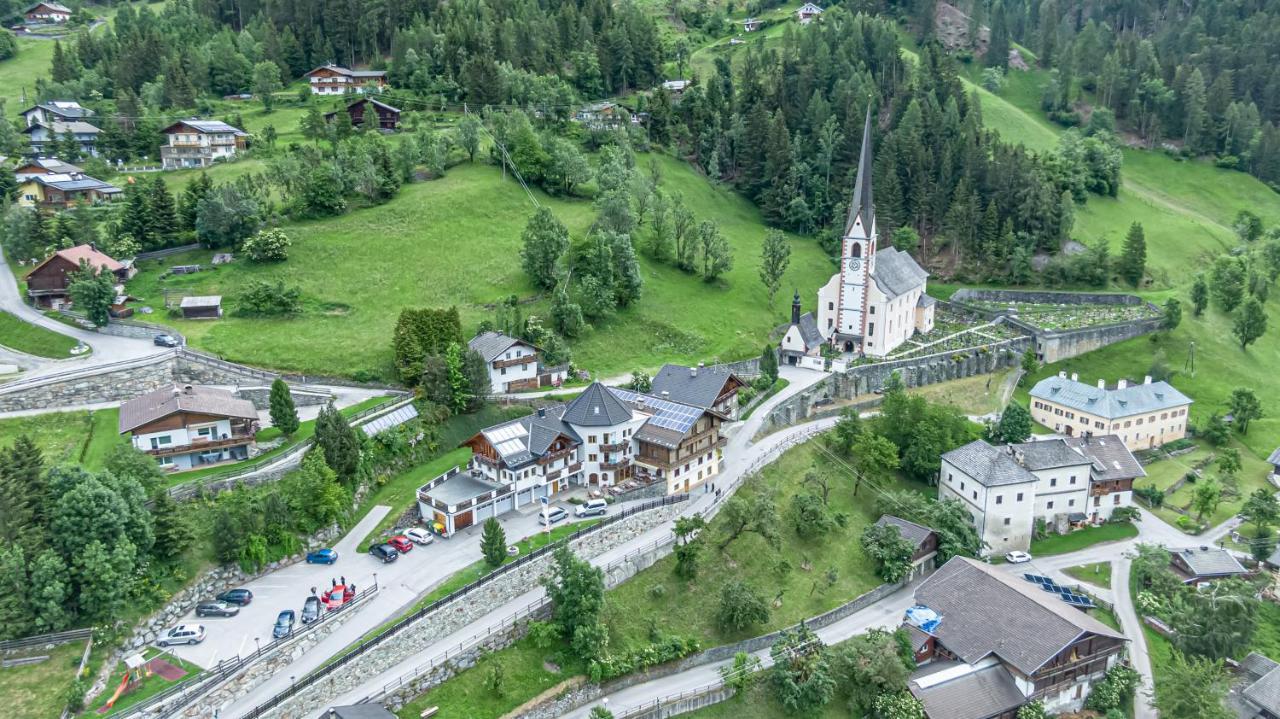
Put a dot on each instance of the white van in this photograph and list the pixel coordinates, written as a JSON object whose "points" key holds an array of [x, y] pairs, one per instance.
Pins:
{"points": [[591, 508], [553, 515]]}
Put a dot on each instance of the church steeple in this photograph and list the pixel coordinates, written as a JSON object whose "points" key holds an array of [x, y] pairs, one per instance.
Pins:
{"points": [[862, 204]]}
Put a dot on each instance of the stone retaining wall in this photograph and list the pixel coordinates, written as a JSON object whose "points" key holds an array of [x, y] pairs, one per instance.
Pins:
{"points": [[1055, 346], [450, 618], [1044, 297], [863, 381], [261, 396]]}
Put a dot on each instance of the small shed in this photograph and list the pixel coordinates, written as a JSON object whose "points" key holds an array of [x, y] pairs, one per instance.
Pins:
{"points": [[751, 24], [206, 307]]}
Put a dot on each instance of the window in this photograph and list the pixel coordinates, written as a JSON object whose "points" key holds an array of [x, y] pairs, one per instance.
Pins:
{"points": [[951, 478], [1049, 505], [999, 499], [591, 458], [504, 370], [1019, 496], [1115, 499], [961, 485], [1073, 479], [1071, 502], [975, 495], [831, 305], [873, 309], [871, 328], [591, 439], [157, 442], [166, 461], [1053, 481], [1007, 521]]}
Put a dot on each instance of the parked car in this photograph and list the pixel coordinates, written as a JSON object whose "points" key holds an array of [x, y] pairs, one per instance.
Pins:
{"points": [[385, 552], [241, 597], [284, 624], [553, 515], [322, 556], [166, 341], [591, 508], [419, 535], [311, 609], [1016, 557], [339, 596], [216, 609], [182, 634], [401, 543]]}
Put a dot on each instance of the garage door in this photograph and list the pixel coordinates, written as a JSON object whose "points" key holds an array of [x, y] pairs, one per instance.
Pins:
{"points": [[526, 497], [463, 520], [505, 505], [484, 511]]}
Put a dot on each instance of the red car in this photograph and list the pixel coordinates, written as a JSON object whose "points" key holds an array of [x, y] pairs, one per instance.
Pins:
{"points": [[401, 543], [338, 597]]}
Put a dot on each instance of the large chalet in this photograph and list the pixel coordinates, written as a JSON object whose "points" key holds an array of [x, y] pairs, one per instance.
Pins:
{"points": [[188, 426], [337, 80], [997, 641], [604, 437], [199, 143]]}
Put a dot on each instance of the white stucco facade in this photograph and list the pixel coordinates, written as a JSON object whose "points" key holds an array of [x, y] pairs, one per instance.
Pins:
{"points": [[1003, 515]]}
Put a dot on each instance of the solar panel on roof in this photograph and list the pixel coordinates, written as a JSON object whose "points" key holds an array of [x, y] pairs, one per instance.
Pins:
{"points": [[505, 432]]}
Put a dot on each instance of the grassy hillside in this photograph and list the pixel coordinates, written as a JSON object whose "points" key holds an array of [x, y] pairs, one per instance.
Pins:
{"points": [[456, 241]]}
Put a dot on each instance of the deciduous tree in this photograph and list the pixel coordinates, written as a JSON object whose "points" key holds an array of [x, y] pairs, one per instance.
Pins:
{"points": [[1250, 322], [740, 607], [1245, 407], [545, 241], [775, 257]]}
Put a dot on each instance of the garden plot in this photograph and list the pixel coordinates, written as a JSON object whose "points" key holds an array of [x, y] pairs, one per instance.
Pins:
{"points": [[1072, 316]]}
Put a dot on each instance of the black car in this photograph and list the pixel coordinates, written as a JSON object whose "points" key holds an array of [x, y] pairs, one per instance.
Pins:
{"points": [[216, 609], [385, 552], [284, 624], [242, 597], [311, 609], [166, 341]]}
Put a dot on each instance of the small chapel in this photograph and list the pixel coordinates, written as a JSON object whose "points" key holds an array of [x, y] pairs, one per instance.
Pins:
{"points": [[877, 300]]}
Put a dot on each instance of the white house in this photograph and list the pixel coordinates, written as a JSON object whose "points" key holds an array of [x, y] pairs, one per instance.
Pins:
{"points": [[330, 79], [199, 143], [807, 12], [47, 12], [55, 111], [188, 426], [802, 337], [42, 136], [1111, 473], [1062, 493], [998, 492], [515, 364], [877, 300]]}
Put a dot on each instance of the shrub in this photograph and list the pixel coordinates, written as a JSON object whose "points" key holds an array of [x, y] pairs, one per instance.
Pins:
{"points": [[1114, 690], [264, 299], [658, 591], [1151, 495], [268, 246]]}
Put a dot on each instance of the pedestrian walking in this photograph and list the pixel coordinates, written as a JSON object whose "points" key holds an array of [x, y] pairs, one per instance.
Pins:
{"points": [[344, 580]]}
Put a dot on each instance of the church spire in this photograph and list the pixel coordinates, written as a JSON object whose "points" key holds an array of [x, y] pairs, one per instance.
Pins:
{"points": [[862, 203]]}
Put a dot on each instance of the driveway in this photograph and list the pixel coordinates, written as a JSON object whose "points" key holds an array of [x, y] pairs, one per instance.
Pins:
{"points": [[405, 580]]}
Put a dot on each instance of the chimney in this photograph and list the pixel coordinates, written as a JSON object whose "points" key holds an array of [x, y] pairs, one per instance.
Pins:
{"points": [[1102, 384], [1122, 384], [1146, 380], [186, 389], [666, 394], [795, 308], [1062, 374], [542, 412], [1075, 377], [640, 402]]}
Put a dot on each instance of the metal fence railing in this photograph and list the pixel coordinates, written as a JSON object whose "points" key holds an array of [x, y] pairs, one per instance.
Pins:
{"points": [[71, 635], [410, 619], [188, 691], [166, 252]]}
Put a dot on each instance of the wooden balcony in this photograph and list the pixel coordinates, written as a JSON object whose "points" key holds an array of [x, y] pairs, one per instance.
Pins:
{"points": [[575, 467], [615, 447], [615, 465], [549, 458], [517, 361], [202, 445]]}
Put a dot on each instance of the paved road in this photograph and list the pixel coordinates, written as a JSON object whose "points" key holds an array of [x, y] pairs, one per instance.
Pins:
{"points": [[740, 455], [106, 348]]}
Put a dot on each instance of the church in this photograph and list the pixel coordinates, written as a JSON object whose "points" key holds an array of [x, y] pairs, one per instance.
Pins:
{"points": [[877, 300]]}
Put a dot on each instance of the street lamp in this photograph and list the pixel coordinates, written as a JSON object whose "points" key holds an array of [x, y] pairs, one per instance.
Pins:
{"points": [[258, 642], [375, 580]]}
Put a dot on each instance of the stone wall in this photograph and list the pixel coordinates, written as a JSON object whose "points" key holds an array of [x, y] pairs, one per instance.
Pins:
{"points": [[857, 382], [456, 615], [261, 396], [1044, 297], [1055, 346]]}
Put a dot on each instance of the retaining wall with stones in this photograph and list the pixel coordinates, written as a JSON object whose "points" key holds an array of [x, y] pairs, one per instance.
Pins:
{"points": [[1055, 346], [261, 396], [856, 382], [458, 614], [1044, 297]]}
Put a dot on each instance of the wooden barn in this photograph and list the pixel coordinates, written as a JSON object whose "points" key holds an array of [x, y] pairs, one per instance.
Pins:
{"points": [[388, 116]]}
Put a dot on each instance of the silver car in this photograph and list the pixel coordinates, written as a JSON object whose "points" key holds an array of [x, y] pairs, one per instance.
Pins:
{"points": [[182, 634]]}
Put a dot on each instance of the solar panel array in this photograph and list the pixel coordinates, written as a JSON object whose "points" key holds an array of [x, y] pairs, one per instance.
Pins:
{"points": [[666, 414], [1076, 600], [389, 420]]}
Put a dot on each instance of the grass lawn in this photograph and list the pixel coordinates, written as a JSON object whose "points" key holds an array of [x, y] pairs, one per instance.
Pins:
{"points": [[83, 438], [1081, 538], [33, 339], [149, 687], [39, 691], [412, 252], [1164, 473], [688, 607], [1098, 574], [761, 702], [977, 395]]}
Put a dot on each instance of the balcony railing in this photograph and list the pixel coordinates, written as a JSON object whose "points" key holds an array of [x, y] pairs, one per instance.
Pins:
{"points": [[615, 447], [616, 465], [499, 364], [549, 458], [201, 445]]}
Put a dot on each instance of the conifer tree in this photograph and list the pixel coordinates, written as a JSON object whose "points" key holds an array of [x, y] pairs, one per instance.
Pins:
{"points": [[284, 416], [493, 543], [162, 212], [173, 534], [1199, 295], [338, 442], [1133, 259]]}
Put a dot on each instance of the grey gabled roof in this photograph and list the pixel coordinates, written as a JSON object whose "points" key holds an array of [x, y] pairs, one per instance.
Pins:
{"points": [[1265, 693], [172, 399], [910, 531], [1110, 458], [897, 273], [986, 611], [698, 387], [1210, 561], [1109, 403], [1047, 454], [1275, 457], [987, 692], [492, 344], [809, 333], [862, 204], [58, 127], [596, 407], [926, 301], [1256, 665], [207, 126], [989, 466], [527, 438]]}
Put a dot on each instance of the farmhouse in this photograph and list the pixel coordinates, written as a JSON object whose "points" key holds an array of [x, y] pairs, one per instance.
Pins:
{"points": [[802, 337], [47, 282], [388, 117], [751, 24], [713, 388], [997, 642], [43, 136], [55, 111], [44, 166], [1204, 564], [199, 143], [676, 87], [332, 79], [882, 289], [807, 13], [206, 307], [1143, 415], [924, 543], [603, 437], [189, 426], [60, 191], [47, 12], [1064, 483], [601, 115], [515, 364]]}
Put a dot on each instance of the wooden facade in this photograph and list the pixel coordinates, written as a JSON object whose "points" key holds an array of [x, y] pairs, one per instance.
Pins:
{"points": [[388, 117], [50, 279]]}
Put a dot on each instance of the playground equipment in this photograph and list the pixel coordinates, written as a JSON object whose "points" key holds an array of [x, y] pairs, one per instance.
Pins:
{"points": [[135, 670]]}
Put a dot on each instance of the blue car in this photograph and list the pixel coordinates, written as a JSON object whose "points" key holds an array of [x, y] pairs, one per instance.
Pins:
{"points": [[322, 556]]}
